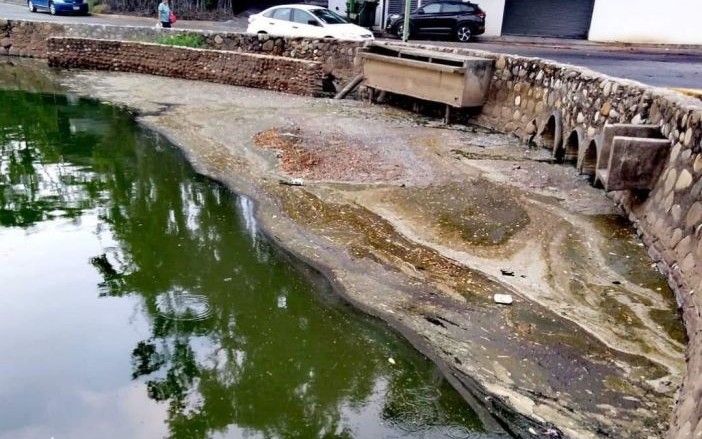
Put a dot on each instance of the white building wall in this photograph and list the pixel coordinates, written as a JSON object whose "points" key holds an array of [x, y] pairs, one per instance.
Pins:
{"points": [[494, 11], [647, 21]]}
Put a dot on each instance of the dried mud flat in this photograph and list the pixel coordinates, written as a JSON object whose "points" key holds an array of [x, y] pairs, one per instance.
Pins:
{"points": [[421, 225]]}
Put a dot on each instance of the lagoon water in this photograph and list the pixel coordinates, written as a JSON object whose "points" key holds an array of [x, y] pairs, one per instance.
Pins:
{"points": [[140, 300]]}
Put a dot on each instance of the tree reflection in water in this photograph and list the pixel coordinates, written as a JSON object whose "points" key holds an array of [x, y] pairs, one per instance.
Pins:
{"points": [[239, 344]]}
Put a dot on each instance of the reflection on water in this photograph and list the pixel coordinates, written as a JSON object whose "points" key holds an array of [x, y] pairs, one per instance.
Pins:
{"points": [[139, 300]]}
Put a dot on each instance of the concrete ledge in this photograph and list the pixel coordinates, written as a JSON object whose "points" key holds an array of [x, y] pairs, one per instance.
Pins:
{"points": [[622, 130], [634, 163], [244, 69]]}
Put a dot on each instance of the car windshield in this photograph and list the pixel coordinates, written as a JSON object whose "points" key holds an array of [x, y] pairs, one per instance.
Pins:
{"points": [[328, 16]]}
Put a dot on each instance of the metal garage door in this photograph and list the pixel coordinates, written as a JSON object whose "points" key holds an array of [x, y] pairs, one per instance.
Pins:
{"points": [[548, 18], [398, 6]]}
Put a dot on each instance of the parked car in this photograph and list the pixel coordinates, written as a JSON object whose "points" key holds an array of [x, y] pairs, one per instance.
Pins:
{"points": [[457, 19], [59, 6], [306, 21]]}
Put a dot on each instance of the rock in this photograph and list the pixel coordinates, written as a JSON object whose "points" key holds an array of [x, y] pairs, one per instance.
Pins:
{"points": [[531, 128], [684, 181], [675, 152], [218, 39], [687, 140], [670, 180], [606, 107], [268, 46], [694, 215]]}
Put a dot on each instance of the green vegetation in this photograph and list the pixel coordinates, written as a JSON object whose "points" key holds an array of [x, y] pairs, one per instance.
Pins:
{"points": [[183, 40]]}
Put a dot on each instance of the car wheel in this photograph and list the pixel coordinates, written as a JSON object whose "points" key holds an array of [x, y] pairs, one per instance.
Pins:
{"points": [[30, 5], [401, 31], [463, 33], [52, 9]]}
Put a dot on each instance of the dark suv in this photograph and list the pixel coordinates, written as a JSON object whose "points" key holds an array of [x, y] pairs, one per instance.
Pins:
{"points": [[460, 20]]}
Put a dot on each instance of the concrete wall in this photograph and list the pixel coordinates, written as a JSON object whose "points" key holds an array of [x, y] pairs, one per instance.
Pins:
{"points": [[494, 12], [647, 21], [249, 70], [28, 38]]}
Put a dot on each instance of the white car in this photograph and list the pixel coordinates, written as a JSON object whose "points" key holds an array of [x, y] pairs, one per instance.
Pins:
{"points": [[306, 21]]}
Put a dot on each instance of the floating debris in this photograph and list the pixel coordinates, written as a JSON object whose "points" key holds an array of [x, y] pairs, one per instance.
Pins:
{"points": [[503, 299], [293, 182]]}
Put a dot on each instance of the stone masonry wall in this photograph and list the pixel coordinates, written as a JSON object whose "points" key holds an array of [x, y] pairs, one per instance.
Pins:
{"points": [[564, 108], [243, 69], [28, 38]]}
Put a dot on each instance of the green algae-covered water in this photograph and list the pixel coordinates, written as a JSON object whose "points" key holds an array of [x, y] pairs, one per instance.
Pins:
{"points": [[138, 300]]}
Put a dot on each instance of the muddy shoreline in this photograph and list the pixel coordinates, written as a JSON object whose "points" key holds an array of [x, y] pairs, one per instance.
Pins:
{"points": [[578, 354]]}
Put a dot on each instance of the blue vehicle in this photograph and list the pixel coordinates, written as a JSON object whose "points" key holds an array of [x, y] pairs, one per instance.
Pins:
{"points": [[59, 6]]}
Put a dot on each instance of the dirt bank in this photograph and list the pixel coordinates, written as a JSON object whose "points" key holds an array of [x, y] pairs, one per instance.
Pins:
{"points": [[420, 225]]}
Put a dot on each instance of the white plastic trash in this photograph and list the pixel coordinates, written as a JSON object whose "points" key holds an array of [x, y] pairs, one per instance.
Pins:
{"points": [[503, 299]]}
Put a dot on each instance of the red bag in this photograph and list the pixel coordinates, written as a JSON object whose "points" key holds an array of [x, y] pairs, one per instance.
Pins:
{"points": [[172, 18]]}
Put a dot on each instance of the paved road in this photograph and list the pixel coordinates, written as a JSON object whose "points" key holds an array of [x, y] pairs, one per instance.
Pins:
{"points": [[18, 12], [659, 69]]}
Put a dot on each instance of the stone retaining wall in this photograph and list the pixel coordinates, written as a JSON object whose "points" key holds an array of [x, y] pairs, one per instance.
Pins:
{"points": [[564, 108], [243, 69], [28, 38]]}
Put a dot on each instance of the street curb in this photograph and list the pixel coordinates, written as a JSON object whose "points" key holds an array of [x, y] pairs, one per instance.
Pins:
{"points": [[667, 49]]}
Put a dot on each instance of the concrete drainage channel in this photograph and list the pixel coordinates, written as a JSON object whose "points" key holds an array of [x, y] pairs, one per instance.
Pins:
{"points": [[641, 145]]}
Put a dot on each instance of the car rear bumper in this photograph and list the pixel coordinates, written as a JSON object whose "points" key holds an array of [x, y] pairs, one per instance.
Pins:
{"points": [[70, 8]]}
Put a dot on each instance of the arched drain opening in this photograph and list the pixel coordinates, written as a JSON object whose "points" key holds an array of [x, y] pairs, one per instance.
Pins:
{"points": [[548, 134], [589, 162], [570, 151]]}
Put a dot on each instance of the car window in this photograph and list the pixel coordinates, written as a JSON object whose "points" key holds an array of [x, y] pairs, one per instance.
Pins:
{"points": [[269, 14], [300, 16], [467, 8], [433, 8], [451, 8], [282, 14], [328, 16]]}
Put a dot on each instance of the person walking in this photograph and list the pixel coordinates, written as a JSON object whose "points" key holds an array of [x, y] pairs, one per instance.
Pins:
{"points": [[164, 13]]}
